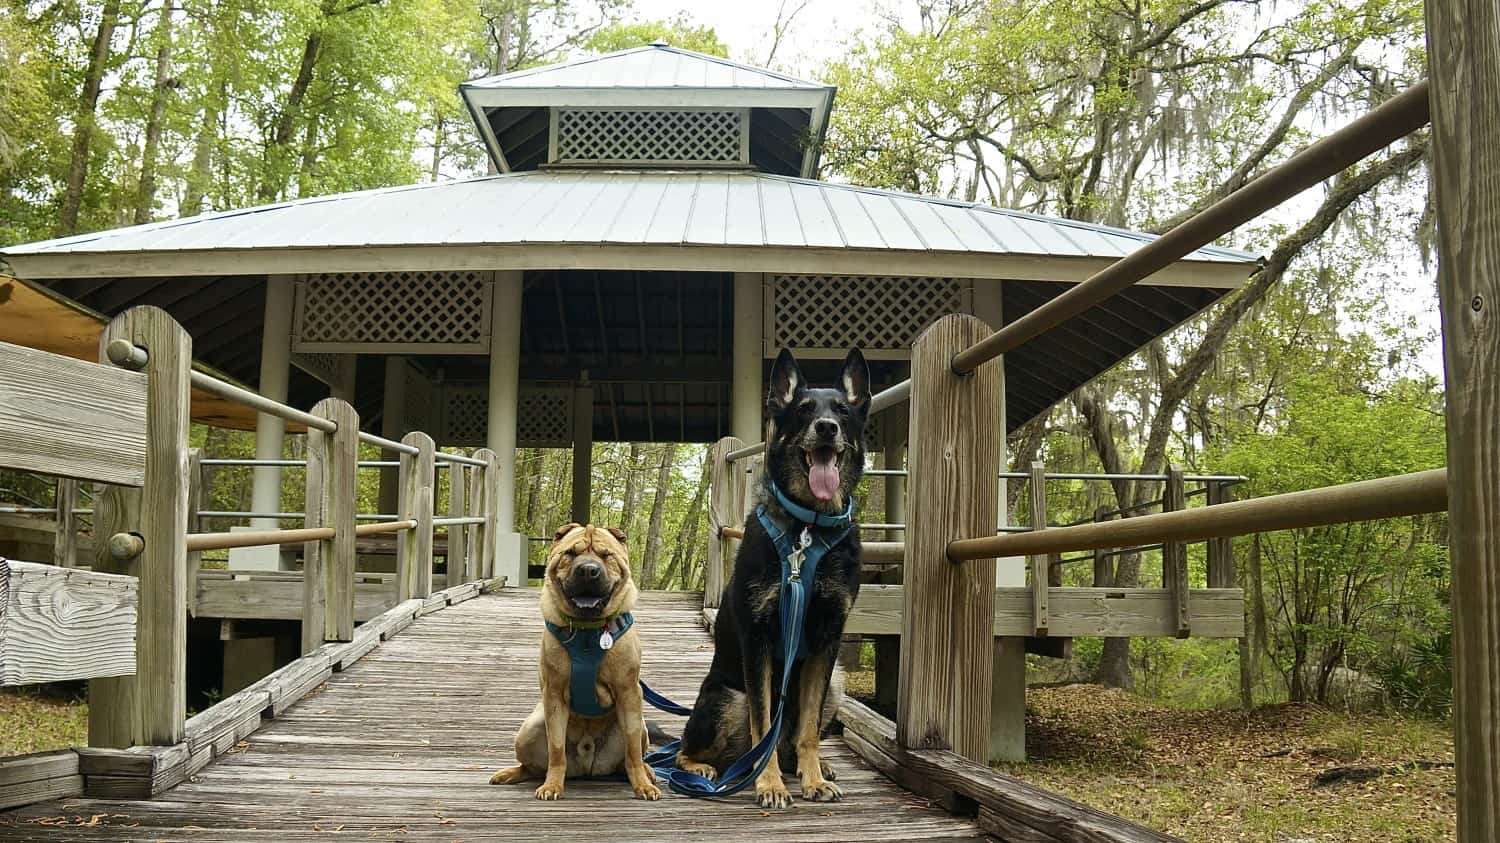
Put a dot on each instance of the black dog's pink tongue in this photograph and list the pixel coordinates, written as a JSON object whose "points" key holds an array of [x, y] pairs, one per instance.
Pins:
{"points": [[823, 474]]}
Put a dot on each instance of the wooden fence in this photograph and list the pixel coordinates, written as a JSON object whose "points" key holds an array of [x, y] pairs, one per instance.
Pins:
{"points": [[124, 423]]}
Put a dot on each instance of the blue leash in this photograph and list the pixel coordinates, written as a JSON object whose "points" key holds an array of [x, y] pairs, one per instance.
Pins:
{"points": [[799, 569]]}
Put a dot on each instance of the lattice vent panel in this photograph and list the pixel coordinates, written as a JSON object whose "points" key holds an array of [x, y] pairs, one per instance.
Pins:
{"points": [[623, 135], [874, 313], [544, 420], [394, 311], [324, 367]]}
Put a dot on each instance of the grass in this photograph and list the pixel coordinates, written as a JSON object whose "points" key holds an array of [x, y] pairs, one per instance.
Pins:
{"points": [[33, 723], [1217, 776]]}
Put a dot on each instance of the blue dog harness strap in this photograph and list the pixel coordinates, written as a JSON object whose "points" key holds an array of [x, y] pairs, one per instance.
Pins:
{"points": [[799, 570], [586, 649]]}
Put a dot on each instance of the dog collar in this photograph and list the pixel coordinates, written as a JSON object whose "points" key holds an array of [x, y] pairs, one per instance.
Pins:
{"points": [[803, 515]]}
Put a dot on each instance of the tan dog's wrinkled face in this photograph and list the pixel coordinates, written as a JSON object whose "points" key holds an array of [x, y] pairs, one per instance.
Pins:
{"points": [[590, 568]]}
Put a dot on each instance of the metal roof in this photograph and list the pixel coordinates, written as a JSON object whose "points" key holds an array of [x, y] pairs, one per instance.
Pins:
{"points": [[650, 66], [623, 219]]}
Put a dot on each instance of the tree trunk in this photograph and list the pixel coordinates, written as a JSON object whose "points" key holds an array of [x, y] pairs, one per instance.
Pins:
{"points": [[163, 84], [437, 146], [202, 173], [658, 510], [271, 184], [630, 499], [533, 492], [83, 128], [687, 536]]}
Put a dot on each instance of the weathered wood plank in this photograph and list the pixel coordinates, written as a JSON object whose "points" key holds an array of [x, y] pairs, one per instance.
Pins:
{"points": [[955, 444], [71, 418], [112, 700], [1075, 612], [1040, 570], [28, 779], [414, 547], [161, 638], [474, 537], [65, 540], [1174, 569], [40, 790], [491, 486], [1463, 40], [328, 566], [726, 508], [64, 623], [457, 557]]}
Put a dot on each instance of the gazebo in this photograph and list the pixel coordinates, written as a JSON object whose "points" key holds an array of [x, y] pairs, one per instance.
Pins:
{"points": [[654, 233]]}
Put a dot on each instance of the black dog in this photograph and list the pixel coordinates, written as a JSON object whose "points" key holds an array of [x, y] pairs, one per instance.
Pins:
{"points": [[815, 457]]}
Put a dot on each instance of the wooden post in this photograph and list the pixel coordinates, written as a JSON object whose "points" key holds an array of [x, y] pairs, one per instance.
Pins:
{"points": [[474, 536], [414, 547], [1174, 570], [328, 569], [949, 608], [113, 708], [726, 508], [1104, 569], [65, 541], [195, 503], [161, 629], [1463, 54], [457, 556], [1221, 572], [492, 506], [1040, 575], [583, 450]]}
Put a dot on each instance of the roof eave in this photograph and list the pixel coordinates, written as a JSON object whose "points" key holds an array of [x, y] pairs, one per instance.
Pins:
{"points": [[674, 257], [484, 98]]}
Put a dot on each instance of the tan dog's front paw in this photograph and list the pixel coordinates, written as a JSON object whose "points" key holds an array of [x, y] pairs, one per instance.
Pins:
{"points": [[510, 775], [648, 791], [773, 795], [824, 791], [549, 792]]}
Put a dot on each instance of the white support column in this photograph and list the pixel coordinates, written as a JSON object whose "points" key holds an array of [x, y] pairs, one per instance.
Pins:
{"points": [[1008, 687], [583, 449], [747, 394], [505, 390], [392, 426], [275, 360]]}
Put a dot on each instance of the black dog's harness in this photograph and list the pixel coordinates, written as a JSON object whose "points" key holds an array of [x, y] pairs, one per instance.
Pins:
{"points": [[799, 572]]}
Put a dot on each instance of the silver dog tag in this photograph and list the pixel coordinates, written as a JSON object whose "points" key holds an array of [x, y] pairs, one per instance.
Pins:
{"points": [[606, 640]]}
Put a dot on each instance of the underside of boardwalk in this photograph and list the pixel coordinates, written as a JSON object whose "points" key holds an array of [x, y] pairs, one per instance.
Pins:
{"points": [[401, 746]]}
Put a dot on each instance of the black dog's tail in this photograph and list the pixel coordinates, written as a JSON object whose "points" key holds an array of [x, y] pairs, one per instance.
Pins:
{"points": [[658, 735]]}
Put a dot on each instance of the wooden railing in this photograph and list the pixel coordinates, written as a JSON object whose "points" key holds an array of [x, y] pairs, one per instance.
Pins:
{"points": [[945, 682], [126, 425]]}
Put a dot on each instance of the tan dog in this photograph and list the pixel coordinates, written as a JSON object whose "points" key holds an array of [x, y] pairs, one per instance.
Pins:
{"points": [[588, 584]]}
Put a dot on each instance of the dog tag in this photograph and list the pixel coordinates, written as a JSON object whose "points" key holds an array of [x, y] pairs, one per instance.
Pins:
{"points": [[606, 640]]}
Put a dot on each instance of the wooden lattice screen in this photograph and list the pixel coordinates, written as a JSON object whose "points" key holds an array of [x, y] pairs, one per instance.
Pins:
{"points": [[826, 315], [393, 312], [323, 366], [544, 418], [643, 135]]}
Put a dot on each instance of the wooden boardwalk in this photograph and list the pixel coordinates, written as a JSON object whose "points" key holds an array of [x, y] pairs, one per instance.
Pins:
{"points": [[401, 746]]}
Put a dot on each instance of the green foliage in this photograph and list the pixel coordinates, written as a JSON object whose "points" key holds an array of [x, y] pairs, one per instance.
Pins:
{"points": [[679, 31]]}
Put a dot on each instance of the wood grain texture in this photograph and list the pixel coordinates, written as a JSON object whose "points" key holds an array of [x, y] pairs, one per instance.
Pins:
{"points": [[414, 547], [946, 671], [332, 463], [1220, 549], [161, 639], [1174, 570], [474, 536], [491, 512], [65, 541], [38, 777], [726, 508], [1098, 612], [375, 752], [58, 624], [457, 558], [1463, 39], [112, 701], [194, 504], [1036, 486], [71, 418]]}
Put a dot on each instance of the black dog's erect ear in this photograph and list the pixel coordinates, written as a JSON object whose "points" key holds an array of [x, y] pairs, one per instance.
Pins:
{"points": [[564, 530], [786, 380], [855, 379]]}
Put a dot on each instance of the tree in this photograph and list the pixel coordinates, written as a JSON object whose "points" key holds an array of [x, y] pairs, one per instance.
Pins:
{"points": [[658, 514], [679, 31], [84, 117]]}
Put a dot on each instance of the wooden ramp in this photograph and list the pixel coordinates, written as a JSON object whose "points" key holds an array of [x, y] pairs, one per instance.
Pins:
{"points": [[401, 746]]}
